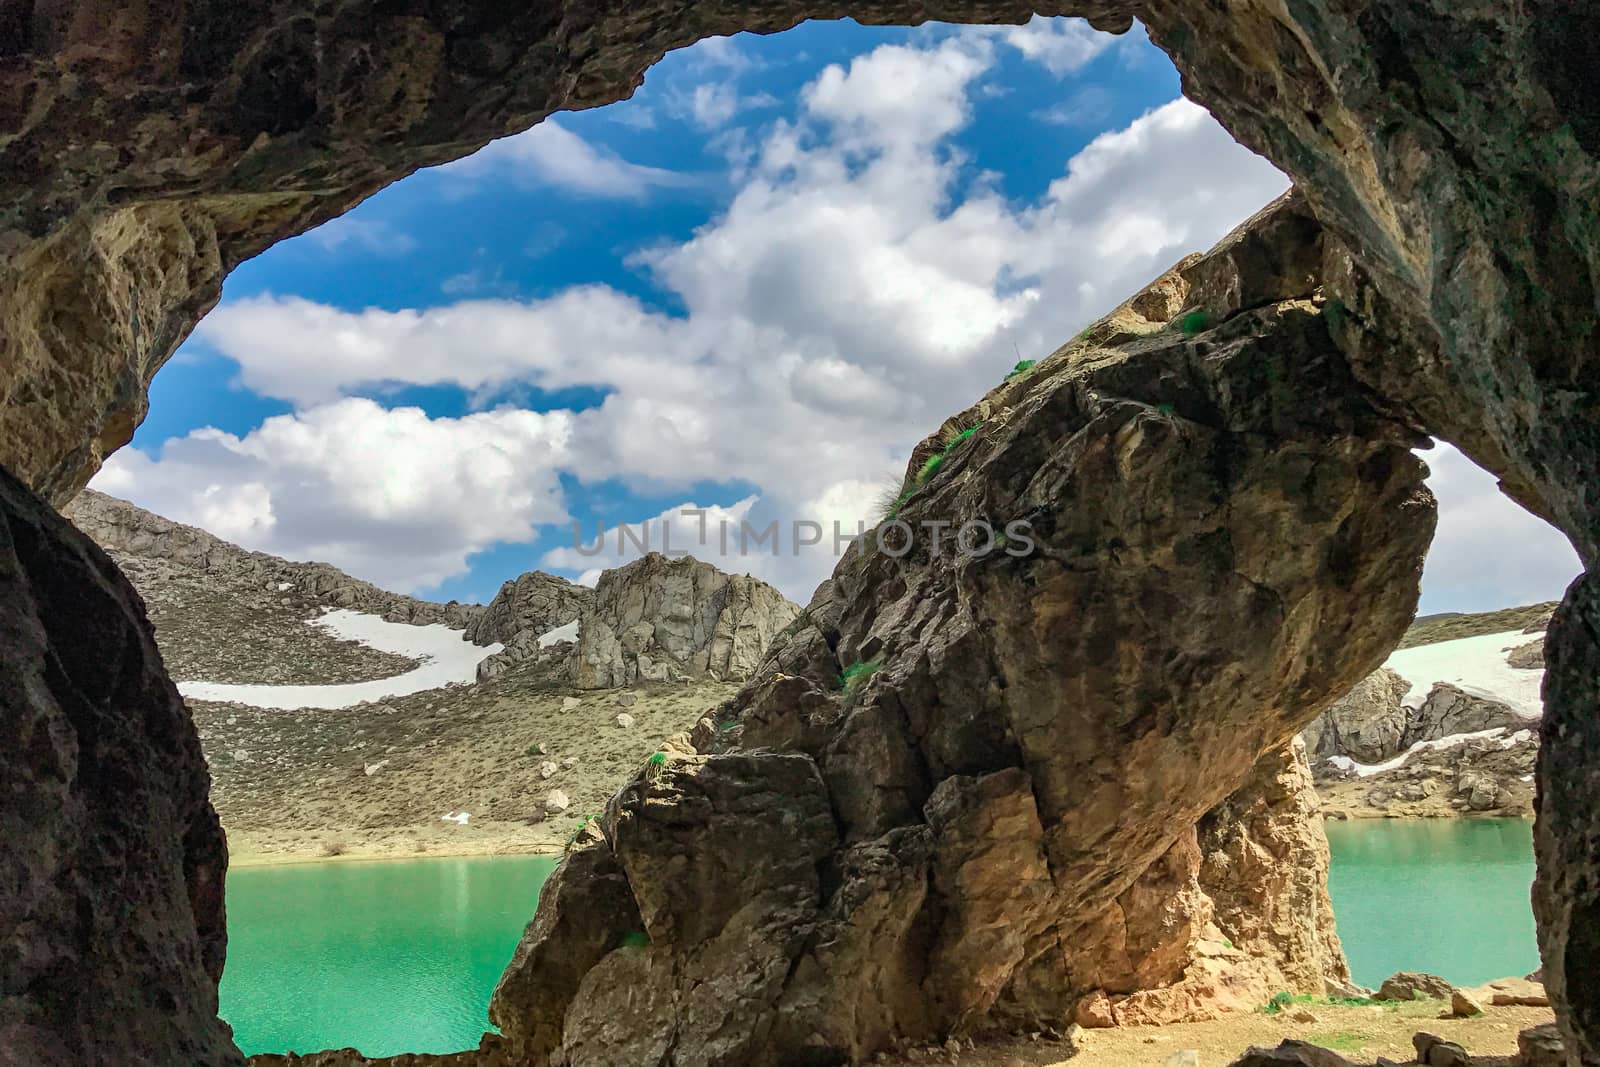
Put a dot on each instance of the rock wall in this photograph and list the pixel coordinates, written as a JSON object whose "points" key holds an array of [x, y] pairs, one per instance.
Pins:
{"points": [[523, 611], [1366, 724], [112, 934], [665, 620], [913, 821], [126, 530]]}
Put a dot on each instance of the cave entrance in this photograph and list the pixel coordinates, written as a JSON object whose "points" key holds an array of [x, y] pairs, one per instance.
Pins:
{"points": [[1426, 771]]}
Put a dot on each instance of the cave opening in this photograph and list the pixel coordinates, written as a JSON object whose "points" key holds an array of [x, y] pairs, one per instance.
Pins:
{"points": [[1092, 855]]}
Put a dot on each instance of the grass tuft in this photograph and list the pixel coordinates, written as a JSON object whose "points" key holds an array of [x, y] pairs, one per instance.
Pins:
{"points": [[1023, 367], [1194, 323]]}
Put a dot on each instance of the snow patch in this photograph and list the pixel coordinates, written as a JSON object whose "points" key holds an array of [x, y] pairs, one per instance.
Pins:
{"points": [[1367, 770], [445, 657], [1476, 665], [567, 632], [458, 817]]}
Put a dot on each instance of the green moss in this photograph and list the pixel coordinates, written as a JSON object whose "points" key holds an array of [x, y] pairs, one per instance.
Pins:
{"points": [[853, 677], [1195, 322]]}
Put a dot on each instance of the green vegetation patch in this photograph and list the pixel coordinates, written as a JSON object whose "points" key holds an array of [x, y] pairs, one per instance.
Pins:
{"points": [[1195, 322], [1285, 999], [853, 677], [1340, 1040], [1022, 367], [636, 939]]}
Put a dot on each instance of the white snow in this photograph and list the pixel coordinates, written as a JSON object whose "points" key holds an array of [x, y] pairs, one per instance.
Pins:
{"points": [[1366, 770], [568, 632], [1477, 665], [445, 657]]}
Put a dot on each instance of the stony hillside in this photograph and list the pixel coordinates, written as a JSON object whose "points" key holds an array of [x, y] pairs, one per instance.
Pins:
{"points": [[1448, 726], [306, 761]]}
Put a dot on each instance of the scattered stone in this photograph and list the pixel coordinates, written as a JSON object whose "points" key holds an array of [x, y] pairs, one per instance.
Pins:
{"points": [[556, 802], [547, 769], [373, 768], [625, 721], [626, 700], [1463, 1004], [1513, 992], [1305, 1016], [1448, 1054], [570, 762], [1409, 985], [568, 703]]}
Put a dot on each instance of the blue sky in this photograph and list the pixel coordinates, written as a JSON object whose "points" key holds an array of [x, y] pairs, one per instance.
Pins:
{"points": [[752, 287]]}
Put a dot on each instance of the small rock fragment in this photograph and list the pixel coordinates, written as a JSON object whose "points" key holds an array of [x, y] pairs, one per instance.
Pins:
{"points": [[556, 802], [1462, 1004], [547, 769], [625, 721]]}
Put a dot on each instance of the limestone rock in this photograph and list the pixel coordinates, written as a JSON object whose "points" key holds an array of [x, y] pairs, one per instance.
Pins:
{"points": [[1367, 724], [1029, 760], [659, 620], [556, 802], [1410, 985], [1435, 1051], [1514, 992], [112, 937], [1463, 1004], [625, 720]]}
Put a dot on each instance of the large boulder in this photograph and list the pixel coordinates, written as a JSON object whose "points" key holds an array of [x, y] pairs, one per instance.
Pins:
{"points": [[532, 603], [1224, 537], [112, 934], [1367, 724], [660, 619]]}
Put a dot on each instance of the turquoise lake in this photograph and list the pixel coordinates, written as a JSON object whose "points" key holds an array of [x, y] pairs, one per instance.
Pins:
{"points": [[402, 956]]}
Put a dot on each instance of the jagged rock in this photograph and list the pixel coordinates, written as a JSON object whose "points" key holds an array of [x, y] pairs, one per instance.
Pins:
{"points": [[1518, 992], [556, 802], [1448, 710], [1005, 688], [658, 620], [489, 1053], [1528, 657], [1541, 1046], [521, 613], [111, 904], [1435, 1051], [125, 530], [1367, 724], [1410, 985]]}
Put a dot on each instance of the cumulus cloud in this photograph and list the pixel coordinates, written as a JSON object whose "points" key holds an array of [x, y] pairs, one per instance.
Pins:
{"points": [[550, 154], [1488, 553], [390, 495], [861, 285], [1060, 45]]}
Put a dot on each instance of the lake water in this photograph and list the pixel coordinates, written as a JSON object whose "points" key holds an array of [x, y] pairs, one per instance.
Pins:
{"points": [[402, 956]]}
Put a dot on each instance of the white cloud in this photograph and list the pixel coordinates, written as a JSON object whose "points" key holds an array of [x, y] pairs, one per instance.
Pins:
{"points": [[389, 495], [551, 154], [712, 105], [1060, 45], [860, 286], [376, 237], [1488, 553]]}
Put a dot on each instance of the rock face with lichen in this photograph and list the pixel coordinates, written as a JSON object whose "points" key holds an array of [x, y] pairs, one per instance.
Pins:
{"points": [[1005, 813], [111, 882]]}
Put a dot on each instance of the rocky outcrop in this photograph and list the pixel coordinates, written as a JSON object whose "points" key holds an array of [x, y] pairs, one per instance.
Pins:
{"points": [[1566, 888], [521, 614], [129, 532], [666, 620], [1528, 657], [1367, 724], [111, 884], [911, 822], [536, 602], [1449, 711]]}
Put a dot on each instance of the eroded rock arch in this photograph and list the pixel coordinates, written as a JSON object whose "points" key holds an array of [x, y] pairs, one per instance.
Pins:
{"points": [[1448, 153]]}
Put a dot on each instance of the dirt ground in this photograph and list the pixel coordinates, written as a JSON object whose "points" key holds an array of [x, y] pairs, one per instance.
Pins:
{"points": [[1360, 1033]]}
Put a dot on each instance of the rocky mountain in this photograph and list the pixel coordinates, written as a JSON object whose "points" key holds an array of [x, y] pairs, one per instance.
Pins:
{"points": [[666, 620], [1423, 746]]}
